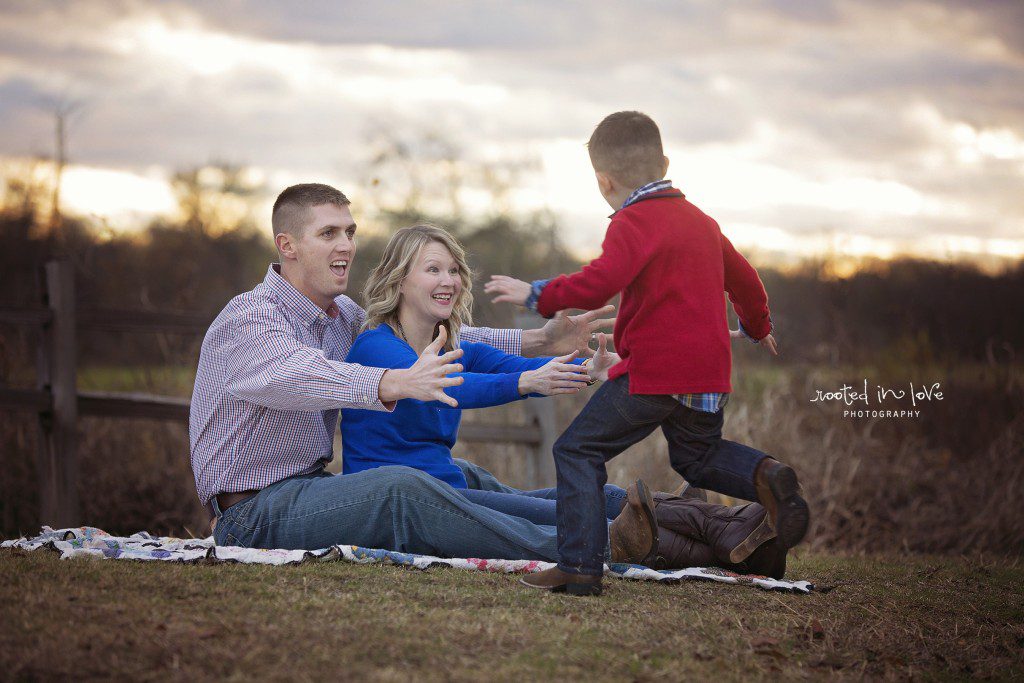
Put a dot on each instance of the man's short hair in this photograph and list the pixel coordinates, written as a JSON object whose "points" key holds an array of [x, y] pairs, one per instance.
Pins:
{"points": [[291, 209], [627, 146]]}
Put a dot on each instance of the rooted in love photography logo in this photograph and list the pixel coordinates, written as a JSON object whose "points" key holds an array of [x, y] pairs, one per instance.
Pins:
{"points": [[883, 397]]}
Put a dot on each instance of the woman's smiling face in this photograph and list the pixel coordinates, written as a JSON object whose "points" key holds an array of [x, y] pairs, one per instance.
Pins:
{"points": [[433, 284]]}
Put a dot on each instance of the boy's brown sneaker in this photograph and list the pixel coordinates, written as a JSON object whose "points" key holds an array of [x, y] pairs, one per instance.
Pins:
{"points": [[633, 535], [557, 581], [779, 492]]}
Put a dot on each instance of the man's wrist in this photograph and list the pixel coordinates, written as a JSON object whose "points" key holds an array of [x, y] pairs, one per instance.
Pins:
{"points": [[533, 343], [390, 388]]}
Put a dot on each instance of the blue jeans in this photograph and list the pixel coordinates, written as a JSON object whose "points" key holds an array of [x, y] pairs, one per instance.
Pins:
{"points": [[537, 506], [396, 508], [612, 421]]}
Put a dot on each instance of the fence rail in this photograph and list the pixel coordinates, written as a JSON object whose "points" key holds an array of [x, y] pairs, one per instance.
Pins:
{"points": [[58, 404]]}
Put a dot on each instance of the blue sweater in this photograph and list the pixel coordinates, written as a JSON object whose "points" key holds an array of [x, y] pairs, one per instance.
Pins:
{"points": [[421, 434]]}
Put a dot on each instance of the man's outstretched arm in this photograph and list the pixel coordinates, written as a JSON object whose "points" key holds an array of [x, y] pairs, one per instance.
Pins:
{"points": [[268, 366]]}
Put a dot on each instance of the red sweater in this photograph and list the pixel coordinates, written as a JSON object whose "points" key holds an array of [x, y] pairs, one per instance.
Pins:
{"points": [[671, 263]]}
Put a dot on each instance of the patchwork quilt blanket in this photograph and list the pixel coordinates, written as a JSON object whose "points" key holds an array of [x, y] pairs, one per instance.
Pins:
{"points": [[89, 542]]}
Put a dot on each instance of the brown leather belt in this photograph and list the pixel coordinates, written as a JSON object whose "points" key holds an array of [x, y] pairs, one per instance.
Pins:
{"points": [[226, 500]]}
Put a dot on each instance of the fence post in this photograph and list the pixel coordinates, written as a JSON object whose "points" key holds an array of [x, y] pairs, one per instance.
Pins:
{"points": [[541, 471], [58, 457]]}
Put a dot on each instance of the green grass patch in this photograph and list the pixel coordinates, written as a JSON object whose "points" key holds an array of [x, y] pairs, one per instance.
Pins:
{"points": [[890, 616], [163, 380]]}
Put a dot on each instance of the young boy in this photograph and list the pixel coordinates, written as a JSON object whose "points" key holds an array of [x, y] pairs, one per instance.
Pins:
{"points": [[671, 264]]}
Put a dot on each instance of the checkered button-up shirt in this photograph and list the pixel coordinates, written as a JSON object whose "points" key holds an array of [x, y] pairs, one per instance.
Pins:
{"points": [[270, 383]]}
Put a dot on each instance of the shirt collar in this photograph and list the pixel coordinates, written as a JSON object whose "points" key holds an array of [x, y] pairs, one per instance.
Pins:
{"points": [[644, 190], [309, 313]]}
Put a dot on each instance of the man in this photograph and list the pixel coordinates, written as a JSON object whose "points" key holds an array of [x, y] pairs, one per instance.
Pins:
{"points": [[265, 407]]}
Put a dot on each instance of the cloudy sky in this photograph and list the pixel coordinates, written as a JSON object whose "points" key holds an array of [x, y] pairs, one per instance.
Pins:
{"points": [[862, 127]]}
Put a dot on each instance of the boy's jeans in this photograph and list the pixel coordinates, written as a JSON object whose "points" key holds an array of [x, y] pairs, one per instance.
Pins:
{"points": [[612, 421]]}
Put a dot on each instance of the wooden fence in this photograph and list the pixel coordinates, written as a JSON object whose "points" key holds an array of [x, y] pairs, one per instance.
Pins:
{"points": [[58, 404]]}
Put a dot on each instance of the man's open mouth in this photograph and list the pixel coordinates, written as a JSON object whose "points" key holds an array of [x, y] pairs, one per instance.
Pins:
{"points": [[339, 267]]}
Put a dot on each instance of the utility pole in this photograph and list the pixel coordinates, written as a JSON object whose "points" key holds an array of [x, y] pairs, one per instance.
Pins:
{"points": [[56, 220], [62, 113]]}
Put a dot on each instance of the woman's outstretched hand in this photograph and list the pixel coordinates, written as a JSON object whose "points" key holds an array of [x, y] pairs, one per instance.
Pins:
{"points": [[602, 360], [427, 378], [557, 376]]}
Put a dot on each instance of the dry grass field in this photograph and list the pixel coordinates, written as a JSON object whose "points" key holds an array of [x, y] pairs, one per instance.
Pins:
{"points": [[891, 616]]}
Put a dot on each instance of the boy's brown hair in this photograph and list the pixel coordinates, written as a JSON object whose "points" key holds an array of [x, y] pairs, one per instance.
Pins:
{"points": [[292, 206], [627, 146]]}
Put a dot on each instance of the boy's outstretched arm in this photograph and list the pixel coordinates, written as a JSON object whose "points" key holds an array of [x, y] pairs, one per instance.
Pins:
{"points": [[623, 255], [563, 333], [746, 293], [508, 290]]}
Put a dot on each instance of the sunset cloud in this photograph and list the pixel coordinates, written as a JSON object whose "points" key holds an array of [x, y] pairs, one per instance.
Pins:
{"points": [[896, 125]]}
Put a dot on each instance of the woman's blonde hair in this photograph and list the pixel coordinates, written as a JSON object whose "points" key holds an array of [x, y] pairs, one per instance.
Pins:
{"points": [[381, 294]]}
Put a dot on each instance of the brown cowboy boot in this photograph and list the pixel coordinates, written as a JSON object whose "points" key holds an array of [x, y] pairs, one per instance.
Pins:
{"points": [[633, 535], [779, 492], [732, 532], [688, 492], [768, 560], [678, 551]]}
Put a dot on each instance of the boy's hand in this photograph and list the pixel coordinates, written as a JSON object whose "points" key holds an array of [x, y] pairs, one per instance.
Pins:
{"points": [[603, 359], [427, 378], [508, 289], [768, 342], [558, 376]]}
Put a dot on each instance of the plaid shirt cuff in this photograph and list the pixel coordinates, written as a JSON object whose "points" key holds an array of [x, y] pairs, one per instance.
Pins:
{"points": [[771, 329], [366, 387], [536, 287]]}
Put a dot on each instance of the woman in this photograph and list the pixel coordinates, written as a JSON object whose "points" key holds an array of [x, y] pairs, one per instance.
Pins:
{"points": [[421, 285]]}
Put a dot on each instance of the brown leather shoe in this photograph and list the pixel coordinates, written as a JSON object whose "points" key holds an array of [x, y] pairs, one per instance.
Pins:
{"points": [[779, 492], [557, 581], [633, 535]]}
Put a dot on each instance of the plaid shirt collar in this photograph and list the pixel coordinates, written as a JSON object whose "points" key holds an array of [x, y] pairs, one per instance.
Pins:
{"points": [[644, 190], [298, 303]]}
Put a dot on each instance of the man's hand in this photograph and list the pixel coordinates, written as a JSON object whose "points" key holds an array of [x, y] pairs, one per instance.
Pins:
{"points": [[567, 333], [427, 378], [508, 290], [768, 342], [558, 376], [603, 359]]}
